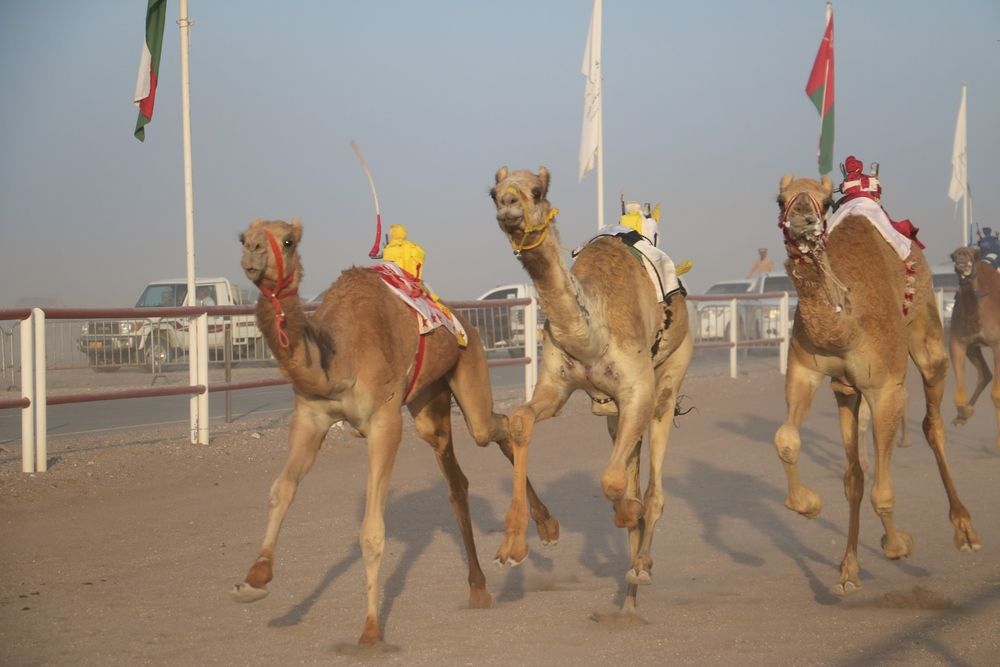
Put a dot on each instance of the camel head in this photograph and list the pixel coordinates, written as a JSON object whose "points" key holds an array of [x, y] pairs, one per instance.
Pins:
{"points": [[804, 203], [270, 254], [523, 211], [965, 259]]}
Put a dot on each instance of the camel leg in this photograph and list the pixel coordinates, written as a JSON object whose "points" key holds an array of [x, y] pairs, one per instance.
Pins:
{"points": [[433, 423], [926, 343], [547, 399], [634, 533], [959, 350], [305, 436], [800, 387], [995, 392], [383, 443], [470, 383], [887, 407], [620, 478], [854, 488]]}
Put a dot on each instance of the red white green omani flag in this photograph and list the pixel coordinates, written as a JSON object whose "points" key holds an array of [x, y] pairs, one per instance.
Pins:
{"points": [[820, 91], [149, 65]]}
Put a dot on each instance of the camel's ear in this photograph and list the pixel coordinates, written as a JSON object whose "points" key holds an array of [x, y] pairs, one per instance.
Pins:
{"points": [[827, 185], [502, 173], [296, 230], [786, 180], [543, 174], [976, 253], [255, 222], [953, 255]]}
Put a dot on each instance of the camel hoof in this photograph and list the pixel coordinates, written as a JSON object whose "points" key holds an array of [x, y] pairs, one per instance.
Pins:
{"points": [[513, 552], [548, 531], [900, 547], [805, 502], [246, 593], [845, 588], [501, 562], [638, 577], [480, 599], [966, 538]]}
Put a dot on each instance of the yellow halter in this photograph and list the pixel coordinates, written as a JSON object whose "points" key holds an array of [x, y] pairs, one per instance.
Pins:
{"points": [[518, 248]]}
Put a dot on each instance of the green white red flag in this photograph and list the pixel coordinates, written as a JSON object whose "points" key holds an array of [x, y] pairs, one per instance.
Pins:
{"points": [[820, 91], [149, 65]]}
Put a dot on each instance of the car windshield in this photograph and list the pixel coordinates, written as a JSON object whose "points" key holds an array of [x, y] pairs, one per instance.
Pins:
{"points": [[945, 280], [728, 288], [159, 296], [778, 284]]}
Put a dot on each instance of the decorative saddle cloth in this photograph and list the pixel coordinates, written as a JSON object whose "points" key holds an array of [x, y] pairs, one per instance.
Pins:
{"points": [[872, 210], [659, 267], [431, 313]]}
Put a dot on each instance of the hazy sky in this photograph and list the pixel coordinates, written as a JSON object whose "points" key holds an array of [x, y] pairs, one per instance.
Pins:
{"points": [[704, 109]]}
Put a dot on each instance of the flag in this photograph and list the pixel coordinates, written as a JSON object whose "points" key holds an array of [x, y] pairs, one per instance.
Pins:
{"points": [[959, 179], [149, 65], [820, 91], [591, 69]]}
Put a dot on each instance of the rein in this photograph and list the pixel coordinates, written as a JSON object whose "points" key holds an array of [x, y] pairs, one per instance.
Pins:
{"points": [[814, 250], [278, 292], [801, 248], [543, 228]]}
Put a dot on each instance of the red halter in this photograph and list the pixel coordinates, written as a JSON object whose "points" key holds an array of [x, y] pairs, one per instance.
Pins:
{"points": [[279, 289]]}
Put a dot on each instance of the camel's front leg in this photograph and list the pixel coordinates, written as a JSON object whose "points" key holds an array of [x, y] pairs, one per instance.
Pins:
{"points": [[887, 409], [305, 436], [995, 392], [433, 422], [620, 478], [854, 487], [547, 399], [383, 443], [800, 387]]}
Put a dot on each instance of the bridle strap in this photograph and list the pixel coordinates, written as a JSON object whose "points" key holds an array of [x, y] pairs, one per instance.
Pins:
{"points": [[278, 292], [542, 228]]}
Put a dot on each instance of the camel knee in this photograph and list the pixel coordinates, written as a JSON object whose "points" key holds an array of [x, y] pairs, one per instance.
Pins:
{"points": [[613, 483], [883, 501], [788, 444]]}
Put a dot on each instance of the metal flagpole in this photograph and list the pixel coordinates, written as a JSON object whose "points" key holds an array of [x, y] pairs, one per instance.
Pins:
{"points": [[600, 133], [966, 232], [199, 404]]}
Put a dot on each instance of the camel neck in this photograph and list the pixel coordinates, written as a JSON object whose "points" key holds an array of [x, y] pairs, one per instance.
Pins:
{"points": [[560, 296], [282, 337], [825, 315]]}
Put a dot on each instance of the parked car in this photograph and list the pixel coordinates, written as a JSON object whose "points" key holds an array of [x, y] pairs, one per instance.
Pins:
{"points": [[765, 314], [503, 328], [943, 277], [112, 343], [714, 316]]}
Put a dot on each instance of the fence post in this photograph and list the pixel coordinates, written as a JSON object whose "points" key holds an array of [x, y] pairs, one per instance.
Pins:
{"points": [[733, 339], [783, 325], [531, 348], [202, 379], [28, 391], [41, 391], [227, 357], [939, 297]]}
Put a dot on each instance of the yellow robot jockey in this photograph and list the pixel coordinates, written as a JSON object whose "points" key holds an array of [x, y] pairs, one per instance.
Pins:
{"points": [[404, 253]]}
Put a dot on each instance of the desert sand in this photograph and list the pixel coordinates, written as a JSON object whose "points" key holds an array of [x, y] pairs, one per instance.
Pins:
{"points": [[124, 552]]}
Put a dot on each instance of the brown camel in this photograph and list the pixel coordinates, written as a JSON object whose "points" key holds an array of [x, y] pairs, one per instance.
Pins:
{"points": [[608, 334], [356, 360], [975, 323], [861, 310]]}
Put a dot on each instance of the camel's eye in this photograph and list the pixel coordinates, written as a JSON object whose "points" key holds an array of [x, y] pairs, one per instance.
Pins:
{"points": [[781, 201], [242, 239], [289, 242], [536, 193], [827, 203]]}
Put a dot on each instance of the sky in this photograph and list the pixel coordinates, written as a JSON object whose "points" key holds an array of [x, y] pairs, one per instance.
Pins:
{"points": [[704, 110]]}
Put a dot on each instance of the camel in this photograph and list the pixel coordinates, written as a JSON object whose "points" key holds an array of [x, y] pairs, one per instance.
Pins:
{"points": [[975, 323], [356, 360], [861, 311], [608, 334]]}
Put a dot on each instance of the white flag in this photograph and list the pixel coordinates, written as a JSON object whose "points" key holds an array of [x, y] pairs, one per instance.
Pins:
{"points": [[959, 183], [591, 69]]}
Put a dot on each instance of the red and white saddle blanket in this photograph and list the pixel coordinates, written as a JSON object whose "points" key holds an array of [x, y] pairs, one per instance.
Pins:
{"points": [[431, 314], [871, 209]]}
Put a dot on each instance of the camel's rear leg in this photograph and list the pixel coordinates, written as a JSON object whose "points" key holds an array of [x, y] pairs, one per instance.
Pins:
{"points": [[433, 423], [304, 439], [470, 383], [854, 488], [547, 399], [800, 387], [926, 344]]}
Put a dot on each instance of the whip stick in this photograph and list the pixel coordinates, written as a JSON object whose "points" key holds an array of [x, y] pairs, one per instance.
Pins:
{"points": [[378, 213]]}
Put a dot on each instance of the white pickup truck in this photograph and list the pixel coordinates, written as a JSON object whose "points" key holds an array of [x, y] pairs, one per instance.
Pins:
{"points": [[155, 341], [503, 328]]}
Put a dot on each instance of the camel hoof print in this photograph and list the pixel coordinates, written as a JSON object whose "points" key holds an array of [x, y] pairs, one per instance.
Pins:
{"points": [[246, 593]]}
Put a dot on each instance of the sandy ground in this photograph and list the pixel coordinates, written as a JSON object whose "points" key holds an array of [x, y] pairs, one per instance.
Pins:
{"points": [[123, 553]]}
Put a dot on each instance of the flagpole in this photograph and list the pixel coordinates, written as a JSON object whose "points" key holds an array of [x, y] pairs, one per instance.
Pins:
{"points": [[199, 404], [966, 232], [600, 148]]}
